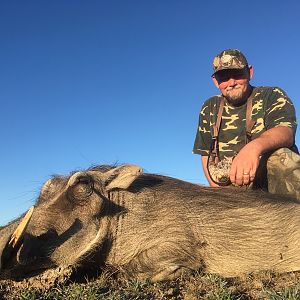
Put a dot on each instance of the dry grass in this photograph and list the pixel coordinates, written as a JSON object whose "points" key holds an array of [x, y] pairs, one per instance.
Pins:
{"points": [[198, 286]]}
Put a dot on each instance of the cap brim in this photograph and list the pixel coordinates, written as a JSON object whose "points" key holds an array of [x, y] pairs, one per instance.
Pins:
{"points": [[229, 68]]}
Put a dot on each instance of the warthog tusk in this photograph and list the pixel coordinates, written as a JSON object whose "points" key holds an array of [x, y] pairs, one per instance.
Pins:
{"points": [[16, 236]]}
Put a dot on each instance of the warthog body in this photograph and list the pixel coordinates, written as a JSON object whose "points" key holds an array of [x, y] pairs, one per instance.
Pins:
{"points": [[152, 226]]}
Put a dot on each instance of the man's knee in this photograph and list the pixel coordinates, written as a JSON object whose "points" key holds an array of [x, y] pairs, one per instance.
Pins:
{"points": [[282, 159], [283, 171]]}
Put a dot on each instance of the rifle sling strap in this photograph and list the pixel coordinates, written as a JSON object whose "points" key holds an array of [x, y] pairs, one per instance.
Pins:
{"points": [[249, 121]]}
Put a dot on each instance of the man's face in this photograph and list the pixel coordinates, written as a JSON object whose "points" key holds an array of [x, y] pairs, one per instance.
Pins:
{"points": [[234, 84]]}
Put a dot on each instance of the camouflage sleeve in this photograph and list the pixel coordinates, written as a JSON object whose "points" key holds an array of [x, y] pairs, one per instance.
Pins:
{"points": [[280, 111], [203, 136]]}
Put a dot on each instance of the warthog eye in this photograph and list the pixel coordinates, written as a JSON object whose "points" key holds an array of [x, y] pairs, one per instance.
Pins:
{"points": [[84, 179], [82, 188]]}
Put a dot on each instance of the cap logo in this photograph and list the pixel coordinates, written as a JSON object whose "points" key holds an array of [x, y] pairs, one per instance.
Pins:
{"points": [[226, 60]]}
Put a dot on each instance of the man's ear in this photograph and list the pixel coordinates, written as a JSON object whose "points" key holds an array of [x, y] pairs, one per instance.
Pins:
{"points": [[122, 177], [215, 81], [250, 72]]}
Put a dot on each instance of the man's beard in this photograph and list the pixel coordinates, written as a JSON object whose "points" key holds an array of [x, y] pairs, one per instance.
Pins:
{"points": [[237, 99]]}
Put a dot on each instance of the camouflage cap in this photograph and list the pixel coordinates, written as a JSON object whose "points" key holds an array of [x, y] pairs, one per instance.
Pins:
{"points": [[229, 59]]}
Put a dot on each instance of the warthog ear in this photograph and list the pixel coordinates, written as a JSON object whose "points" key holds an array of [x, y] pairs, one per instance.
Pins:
{"points": [[123, 176]]}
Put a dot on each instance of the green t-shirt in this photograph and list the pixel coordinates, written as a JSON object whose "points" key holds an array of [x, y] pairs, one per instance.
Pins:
{"points": [[271, 108]]}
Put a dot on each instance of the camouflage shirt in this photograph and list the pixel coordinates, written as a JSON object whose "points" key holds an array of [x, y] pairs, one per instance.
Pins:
{"points": [[271, 108]]}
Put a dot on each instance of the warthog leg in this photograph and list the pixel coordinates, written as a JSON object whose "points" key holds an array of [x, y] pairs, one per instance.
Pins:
{"points": [[170, 273], [165, 261]]}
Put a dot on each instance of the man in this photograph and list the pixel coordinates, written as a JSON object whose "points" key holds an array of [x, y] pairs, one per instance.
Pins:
{"points": [[244, 125]]}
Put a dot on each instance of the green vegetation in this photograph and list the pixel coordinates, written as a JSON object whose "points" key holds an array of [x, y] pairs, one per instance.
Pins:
{"points": [[198, 286]]}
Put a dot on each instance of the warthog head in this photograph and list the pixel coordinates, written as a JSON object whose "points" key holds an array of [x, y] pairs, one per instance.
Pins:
{"points": [[69, 221]]}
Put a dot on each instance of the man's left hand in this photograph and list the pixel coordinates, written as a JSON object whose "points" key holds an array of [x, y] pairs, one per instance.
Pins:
{"points": [[246, 162], [244, 166]]}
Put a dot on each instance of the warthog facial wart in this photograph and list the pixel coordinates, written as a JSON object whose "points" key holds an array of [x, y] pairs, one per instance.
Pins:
{"points": [[150, 226]]}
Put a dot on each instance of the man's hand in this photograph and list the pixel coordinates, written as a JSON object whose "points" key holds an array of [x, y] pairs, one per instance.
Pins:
{"points": [[246, 162], [244, 165]]}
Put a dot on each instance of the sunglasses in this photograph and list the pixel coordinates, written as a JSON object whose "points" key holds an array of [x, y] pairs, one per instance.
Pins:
{"points": [[225, 75]]}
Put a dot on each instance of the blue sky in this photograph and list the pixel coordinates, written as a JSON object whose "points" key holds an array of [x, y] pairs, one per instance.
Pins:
{"points": [[102, 82]]}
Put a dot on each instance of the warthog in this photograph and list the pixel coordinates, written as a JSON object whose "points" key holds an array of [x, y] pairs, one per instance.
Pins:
{"points": [[151, 226]]}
